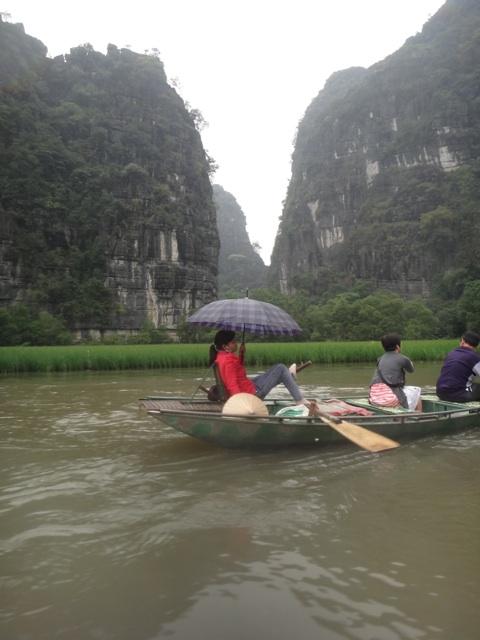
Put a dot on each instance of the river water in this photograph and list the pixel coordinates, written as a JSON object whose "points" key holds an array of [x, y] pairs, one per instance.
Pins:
{"points": [[115, 527]]}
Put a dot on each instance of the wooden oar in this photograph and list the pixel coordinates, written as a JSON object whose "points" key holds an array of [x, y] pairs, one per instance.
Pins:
{"points": [[304, 365], [294, 369], [362, 437]]}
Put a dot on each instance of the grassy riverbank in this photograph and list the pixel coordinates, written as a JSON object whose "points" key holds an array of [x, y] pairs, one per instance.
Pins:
{"points": [[168, 356]]}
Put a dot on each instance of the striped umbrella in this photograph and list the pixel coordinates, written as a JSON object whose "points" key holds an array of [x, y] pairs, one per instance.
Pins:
{"points": [[244, 314]]}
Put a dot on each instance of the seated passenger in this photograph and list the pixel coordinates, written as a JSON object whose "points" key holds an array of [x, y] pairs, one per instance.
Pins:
{"points": [[455, 382], [387, 387], [234, 376]]}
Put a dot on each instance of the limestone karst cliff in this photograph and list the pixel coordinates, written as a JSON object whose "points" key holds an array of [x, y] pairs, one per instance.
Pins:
{"points": [[106, 212], [240, 267], [384, 167]]}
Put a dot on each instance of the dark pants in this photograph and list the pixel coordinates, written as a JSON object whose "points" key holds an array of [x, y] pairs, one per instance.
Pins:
{"points": [[468, 396], [276, 374]]}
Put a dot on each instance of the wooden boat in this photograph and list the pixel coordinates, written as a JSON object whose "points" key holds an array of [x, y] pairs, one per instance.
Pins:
{"points": [[209, 422]]}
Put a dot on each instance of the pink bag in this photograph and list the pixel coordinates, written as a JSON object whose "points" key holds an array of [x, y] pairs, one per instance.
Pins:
{"points": [[382, 395]]}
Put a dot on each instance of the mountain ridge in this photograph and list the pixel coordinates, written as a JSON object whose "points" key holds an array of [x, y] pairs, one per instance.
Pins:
{"points": [[374, 162]]}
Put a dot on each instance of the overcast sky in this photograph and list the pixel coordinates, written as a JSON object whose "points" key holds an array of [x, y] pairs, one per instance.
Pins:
{"points": [[251, 68]]}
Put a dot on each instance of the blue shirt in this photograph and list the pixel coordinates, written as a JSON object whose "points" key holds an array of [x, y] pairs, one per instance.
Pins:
{"points": [[457, 373]]}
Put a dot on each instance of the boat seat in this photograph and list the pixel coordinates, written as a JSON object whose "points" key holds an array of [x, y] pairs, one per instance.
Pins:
{"points": [[363, 402], [434, 398], [221, 391], [217, 392]]}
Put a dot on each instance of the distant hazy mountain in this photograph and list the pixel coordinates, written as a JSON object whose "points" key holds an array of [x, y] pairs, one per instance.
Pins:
{"points": [[240, 267]]}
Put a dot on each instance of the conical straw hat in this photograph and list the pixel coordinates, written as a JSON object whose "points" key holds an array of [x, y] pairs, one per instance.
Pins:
{"points": [[245, 404]]}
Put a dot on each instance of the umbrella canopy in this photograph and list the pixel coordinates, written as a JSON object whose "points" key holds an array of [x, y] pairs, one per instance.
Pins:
{"points": [[244, 314]]}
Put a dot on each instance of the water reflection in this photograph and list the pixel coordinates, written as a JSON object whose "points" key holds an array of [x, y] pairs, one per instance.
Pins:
{"points": [[115, 527]]}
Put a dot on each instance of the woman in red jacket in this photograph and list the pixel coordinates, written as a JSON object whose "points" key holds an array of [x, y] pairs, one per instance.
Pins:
{"points": [[234, 376]]}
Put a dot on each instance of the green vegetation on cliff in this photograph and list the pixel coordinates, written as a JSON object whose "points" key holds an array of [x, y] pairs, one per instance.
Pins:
{"points": [[104, 186], [386, 168]]}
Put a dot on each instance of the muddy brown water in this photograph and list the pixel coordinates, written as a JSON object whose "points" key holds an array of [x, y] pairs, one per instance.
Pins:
{"points": [[115, 527]]}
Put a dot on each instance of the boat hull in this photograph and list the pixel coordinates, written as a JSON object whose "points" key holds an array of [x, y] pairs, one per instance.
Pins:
{"points": [[206, 422]]}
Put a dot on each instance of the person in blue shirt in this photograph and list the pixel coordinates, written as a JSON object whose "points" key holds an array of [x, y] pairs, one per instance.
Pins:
{"points": [[455, 382]]}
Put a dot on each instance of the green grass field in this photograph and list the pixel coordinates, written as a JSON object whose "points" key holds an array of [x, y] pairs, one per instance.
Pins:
{"points": [[169, 356]]}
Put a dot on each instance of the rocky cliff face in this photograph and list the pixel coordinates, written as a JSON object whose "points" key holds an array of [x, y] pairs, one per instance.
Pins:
{"points": [[374, 155], [240, 267], [107, 212]]}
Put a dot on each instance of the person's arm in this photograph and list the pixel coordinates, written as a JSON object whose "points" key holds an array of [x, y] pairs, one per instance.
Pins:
{"points": [[408, 365], [476, 369]]}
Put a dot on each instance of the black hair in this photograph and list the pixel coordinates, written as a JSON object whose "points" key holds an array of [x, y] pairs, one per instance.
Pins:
{"points": [[222, 337], [390, 341], [471, 338]]}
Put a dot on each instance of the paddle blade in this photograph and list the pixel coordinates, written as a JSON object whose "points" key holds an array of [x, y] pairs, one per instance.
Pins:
{"points": [[362, 437]]}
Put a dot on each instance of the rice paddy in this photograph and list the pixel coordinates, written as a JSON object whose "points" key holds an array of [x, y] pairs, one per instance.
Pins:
{"points": [[15, 360]]}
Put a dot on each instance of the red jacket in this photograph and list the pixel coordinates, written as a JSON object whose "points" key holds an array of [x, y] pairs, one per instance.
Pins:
{"points": [[233, 374]]}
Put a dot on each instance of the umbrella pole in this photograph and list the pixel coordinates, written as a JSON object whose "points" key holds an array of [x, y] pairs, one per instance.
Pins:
{"points": [[243, 336]]}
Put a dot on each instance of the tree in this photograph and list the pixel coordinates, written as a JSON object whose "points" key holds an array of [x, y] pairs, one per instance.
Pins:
{"points": [[149, 334], [437, 229], [420, 322], [23, 325], [468, 307], [349, 317], [197, 117], [47, 330]]}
